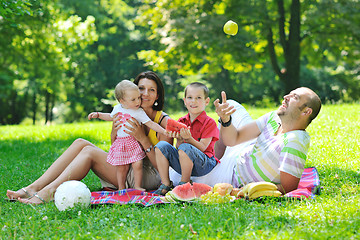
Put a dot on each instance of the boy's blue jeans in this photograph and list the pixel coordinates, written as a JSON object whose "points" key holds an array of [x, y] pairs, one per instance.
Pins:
{"points": [[202, 163]]}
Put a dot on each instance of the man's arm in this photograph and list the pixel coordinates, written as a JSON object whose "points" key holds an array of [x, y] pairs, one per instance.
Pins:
{"points": [[288, 182], [231, 135], [219, 148]]}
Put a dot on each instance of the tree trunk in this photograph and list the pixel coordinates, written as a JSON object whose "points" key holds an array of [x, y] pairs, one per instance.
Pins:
{"points": [[52, 103], [34, 107], [290, 74], [292, 51], [47, 103]]}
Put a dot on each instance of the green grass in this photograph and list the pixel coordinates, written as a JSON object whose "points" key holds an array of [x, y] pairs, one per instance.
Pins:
{"points": [[27, 151]]}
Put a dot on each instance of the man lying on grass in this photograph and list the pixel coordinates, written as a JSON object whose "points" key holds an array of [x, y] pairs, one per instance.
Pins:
{"points": [[276, 144]]}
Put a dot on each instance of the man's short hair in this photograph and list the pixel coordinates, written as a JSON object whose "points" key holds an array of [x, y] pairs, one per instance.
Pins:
{"points": [[314, 102]]}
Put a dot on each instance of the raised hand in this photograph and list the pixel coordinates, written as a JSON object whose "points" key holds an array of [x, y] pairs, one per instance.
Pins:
{"points": [[223, 109]]}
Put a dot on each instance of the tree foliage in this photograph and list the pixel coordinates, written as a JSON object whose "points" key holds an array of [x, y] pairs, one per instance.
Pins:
{"points": [[282, 35], [62, 58]]}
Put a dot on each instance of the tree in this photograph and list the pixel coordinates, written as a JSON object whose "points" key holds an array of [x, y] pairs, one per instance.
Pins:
{"points": [[283, 34], [40, 48]]}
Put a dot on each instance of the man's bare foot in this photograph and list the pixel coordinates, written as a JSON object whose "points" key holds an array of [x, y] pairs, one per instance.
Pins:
{"points": [[140, 188], [21, 193]]}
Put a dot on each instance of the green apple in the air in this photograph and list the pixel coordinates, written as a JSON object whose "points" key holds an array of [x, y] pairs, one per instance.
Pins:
{"points": [[231, 28]]}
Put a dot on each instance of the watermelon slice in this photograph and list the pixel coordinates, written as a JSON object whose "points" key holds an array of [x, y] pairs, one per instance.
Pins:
{"points": [[174, 126], [183, 193], [200, 189]]}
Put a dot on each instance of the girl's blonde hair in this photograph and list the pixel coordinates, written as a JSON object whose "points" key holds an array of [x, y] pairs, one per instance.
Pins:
{"points": [[122, 87]]}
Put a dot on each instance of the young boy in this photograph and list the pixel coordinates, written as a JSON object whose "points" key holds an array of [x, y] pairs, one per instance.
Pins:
{"points": [[194, 155]]}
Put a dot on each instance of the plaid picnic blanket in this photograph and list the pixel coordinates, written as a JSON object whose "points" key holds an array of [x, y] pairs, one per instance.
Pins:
{"points": [[125, 196], [309, 185]]}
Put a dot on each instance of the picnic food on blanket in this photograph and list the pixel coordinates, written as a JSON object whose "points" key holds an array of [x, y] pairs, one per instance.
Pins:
{"points": [[187, 192], [70, 194], [221, 193], [201, 189], [258, 189], [183, 193], [223, 188], [215, 197], [240, 194], [235, 192], [269, 193], [230, 28], [174, 126]]}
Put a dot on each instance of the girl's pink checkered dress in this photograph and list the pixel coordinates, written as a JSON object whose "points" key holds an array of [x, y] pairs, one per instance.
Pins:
{"points": [[125, 150]]}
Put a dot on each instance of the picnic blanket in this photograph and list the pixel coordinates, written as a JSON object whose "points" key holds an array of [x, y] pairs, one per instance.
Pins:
{"points": [[309, 185]]}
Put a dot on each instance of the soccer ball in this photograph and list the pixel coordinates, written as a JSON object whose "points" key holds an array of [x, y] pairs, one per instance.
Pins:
{"points": [[70, 194]]}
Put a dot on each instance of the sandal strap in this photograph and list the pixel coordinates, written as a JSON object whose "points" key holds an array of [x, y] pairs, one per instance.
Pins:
{"points": [[26, 192], [37, 196], [164, 187], [167, 188]]}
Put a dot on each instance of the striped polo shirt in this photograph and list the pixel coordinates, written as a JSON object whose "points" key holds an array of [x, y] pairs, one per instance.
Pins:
{"points": [[270, 154]]}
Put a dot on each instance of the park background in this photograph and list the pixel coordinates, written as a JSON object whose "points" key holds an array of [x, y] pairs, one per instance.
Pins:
{"points": [[60, 59]]}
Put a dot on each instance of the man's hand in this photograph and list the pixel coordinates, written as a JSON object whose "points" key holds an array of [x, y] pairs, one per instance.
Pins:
{"points": [[223, 109]]}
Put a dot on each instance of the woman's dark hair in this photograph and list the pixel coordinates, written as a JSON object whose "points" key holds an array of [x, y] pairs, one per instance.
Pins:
{"points": [[160, 87]]}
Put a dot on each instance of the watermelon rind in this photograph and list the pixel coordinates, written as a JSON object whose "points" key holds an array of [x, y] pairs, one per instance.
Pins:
{"points": [[169, 198]]}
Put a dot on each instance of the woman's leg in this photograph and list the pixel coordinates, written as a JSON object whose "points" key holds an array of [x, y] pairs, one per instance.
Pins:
{"points": [[53, 171], [138, 174], [162, 162], [89, 158]]}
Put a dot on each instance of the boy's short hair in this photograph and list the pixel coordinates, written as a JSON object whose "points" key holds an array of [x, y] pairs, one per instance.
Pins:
{"points": [[122, 87], [198, 85]]}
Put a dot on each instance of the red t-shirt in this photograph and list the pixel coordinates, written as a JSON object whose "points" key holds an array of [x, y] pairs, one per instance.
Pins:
{"points": [[203, 127]]}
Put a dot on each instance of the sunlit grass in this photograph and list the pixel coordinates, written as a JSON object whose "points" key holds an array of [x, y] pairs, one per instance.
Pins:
{"points": [[27, 151]]}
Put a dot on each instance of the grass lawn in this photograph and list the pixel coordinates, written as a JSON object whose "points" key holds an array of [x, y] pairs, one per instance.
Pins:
{"points": [[27, 151]]}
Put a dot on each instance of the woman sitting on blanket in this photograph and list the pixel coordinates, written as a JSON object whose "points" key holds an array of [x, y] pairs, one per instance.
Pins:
{"points": [[82, 156]]}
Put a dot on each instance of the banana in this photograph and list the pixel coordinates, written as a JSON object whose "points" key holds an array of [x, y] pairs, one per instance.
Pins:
{"points": [[260, 186], [270, 193], [246, 187]]}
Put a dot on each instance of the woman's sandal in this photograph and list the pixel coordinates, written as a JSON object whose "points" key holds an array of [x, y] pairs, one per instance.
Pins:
{"points": [[15, 199], [26, 201], [162, 187]]}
